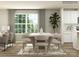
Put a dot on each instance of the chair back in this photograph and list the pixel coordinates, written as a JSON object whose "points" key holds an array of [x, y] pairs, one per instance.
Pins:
{"points": [[42, 37]]}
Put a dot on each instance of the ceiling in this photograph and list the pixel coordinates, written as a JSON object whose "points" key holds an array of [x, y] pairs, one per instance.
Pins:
{"points": [[37, 4]]}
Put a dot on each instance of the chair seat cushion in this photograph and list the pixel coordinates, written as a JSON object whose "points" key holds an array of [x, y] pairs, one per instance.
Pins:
{"points": [[27, 40], [29, 45], [55, 41]]}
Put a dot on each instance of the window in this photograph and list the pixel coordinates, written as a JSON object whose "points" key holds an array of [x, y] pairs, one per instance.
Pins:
{"points": [[26, 23]]}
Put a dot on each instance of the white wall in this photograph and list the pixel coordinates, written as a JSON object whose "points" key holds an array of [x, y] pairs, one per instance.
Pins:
{"points": [[3, 17], [48, 26]]}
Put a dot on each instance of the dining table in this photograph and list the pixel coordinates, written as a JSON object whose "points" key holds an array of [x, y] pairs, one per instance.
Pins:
{"points": [[33, 35]]}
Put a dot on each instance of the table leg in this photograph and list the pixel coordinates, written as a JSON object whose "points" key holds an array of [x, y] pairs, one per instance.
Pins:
{"points": [[33, 42]]}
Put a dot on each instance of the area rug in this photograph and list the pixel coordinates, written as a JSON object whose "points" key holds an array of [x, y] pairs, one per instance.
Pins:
{"points": [[28, 50]]}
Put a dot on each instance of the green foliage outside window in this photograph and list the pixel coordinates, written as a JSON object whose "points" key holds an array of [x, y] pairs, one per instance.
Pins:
{"points": [[23, 23]]}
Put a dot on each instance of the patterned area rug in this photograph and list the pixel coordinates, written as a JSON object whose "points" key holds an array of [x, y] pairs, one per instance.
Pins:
{"points": [[28, 50]]}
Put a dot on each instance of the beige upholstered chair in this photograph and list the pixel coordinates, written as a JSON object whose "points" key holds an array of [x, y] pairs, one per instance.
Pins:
{"points": [[26, 40], [4, 41], [7, 39], [41, 43], [56, 40]]}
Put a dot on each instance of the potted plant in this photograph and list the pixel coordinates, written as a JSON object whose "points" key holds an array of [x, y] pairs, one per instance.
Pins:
{"points": [[54, 20]]}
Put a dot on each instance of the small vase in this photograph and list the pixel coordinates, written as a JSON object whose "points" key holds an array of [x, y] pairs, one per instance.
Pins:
{"points": [[41, 30]]}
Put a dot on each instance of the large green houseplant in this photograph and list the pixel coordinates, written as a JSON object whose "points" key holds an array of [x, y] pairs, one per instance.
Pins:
{"points": [[54, 21]]}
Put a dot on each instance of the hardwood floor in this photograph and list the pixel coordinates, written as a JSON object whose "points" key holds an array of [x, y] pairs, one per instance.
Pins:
{"points": [[12, 51]]}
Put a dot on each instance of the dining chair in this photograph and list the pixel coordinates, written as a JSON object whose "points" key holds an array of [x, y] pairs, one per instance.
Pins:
{"points": [[26, 41], [56, 40], [41, 43]]}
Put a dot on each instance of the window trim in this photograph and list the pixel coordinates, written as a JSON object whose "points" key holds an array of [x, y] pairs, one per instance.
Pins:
{"points": [[26, 21]]}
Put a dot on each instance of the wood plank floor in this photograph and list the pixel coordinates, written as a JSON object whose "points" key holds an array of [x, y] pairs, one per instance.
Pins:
{"points": [[12, 51]]}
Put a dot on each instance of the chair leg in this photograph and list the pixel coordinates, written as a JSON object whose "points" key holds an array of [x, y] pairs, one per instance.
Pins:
{"points": [[23, 45], [46, 49], [59, 47], [4, 47], [36, 49]]}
